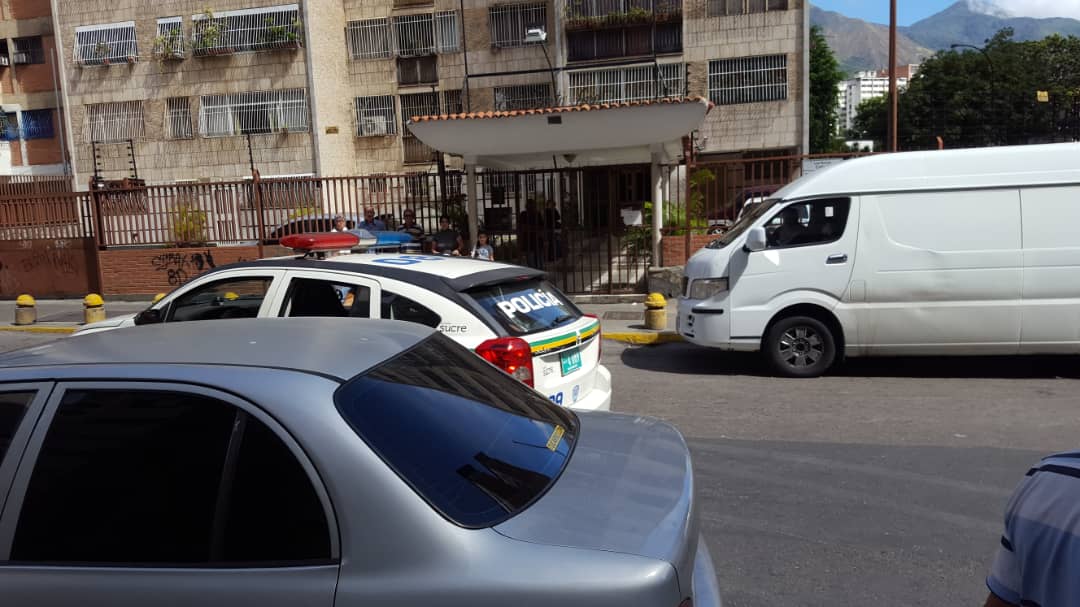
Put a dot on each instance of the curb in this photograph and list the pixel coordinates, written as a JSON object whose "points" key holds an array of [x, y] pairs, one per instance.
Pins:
{"points": [[644, 339], [37, 329]]}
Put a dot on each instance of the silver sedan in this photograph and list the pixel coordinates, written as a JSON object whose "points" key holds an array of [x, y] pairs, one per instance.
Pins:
{"points": [[327, 462]]}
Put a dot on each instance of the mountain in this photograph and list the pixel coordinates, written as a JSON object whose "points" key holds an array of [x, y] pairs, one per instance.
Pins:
{"points": [[859, 45], [975, 22]]}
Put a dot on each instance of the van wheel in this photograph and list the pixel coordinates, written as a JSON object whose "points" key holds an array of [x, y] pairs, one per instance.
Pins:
{"points": [[800, 346]]}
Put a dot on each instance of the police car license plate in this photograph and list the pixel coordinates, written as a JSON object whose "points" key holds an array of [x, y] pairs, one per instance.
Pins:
{"points": [[571, 361]]}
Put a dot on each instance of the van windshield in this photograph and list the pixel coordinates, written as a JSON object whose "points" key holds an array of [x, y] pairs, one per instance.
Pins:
{"points": [[744, 222]]}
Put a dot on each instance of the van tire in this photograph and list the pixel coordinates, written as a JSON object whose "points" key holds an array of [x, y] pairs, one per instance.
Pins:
{"points": [[800, 346]]}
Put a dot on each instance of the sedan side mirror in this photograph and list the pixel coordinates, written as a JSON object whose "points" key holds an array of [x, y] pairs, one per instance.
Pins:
{"points": [[149, 316], [755, 240]]}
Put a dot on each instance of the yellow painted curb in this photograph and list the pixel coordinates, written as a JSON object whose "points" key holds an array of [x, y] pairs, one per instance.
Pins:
{"points": [[37, 329], [644, 339]]}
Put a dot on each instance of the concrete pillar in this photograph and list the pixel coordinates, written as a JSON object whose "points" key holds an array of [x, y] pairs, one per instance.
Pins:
{"points": [[474, 204], [658, 205]]}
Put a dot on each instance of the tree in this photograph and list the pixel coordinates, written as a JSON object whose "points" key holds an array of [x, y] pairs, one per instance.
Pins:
{"points": [[825, 75]]}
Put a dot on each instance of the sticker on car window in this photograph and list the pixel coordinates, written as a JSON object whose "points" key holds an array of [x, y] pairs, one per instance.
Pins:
{"points": [[524, 304], [556, 438]]}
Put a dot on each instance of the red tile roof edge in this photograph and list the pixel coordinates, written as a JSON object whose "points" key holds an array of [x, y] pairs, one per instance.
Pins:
{"points": [[585, 107]]}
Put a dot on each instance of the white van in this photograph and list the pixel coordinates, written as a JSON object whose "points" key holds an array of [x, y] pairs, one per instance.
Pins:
{"points": [[924, 253]]}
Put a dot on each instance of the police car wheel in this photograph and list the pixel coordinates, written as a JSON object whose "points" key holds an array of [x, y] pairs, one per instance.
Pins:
{"points": [[800, 346]]}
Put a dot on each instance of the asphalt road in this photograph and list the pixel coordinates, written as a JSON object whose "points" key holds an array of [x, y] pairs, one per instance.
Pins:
{"points": [[883, 484]]}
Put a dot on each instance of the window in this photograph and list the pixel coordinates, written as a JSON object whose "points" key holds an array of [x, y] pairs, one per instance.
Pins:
{"points": [[522, 97], [37, 124], [169, 43], [416, 35], [246, 30], [412, 409], [748, 79], [375, 116], [229, 298], [452, 102], [628, 84], [29, 50], [808, 223], [526, 307], [166, 477], [417, 104], [106, 44], [398, 307], [509, 22], [311, 297], [114, 122], [624, 42], [417, 70], [179, 118], [13, 406], [721, 8], [11, 130], [255, 113]]}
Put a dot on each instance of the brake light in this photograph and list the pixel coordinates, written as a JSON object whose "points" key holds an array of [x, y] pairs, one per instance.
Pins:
{"points": [[324, 241], [599, 338], [511, 354]]}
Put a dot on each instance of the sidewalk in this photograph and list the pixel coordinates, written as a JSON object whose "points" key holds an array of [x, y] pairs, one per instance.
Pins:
{"points": [[623, 322]]}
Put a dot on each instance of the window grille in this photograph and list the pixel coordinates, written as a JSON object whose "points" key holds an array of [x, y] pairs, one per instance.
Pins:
{"points": [[447, 32], [748, 79], [369, 39], [10, 124], [417, 104], [29, 50], [643, 9], [721, 8], [114, 122], [452, 102], [106, 44], [254, 113], [170, 38], [522, 97], [248, 30], [179, 118], [509, 22], [37, 124], [375, 116], [417, 35], [627, 84]]}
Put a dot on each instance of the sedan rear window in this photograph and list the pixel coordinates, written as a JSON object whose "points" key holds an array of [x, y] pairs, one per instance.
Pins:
{"points": [[528, 306], [476, 444]]}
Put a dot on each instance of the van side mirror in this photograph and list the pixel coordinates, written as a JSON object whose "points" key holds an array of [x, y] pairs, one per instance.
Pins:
{"points": [[755, 240], [149, 316]]}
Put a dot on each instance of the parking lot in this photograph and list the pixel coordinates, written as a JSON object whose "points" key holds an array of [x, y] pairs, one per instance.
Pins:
{"points": [[882, 484]]}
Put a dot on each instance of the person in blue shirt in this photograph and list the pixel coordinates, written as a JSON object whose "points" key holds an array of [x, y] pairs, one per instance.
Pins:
{"points": [[370, 223]]}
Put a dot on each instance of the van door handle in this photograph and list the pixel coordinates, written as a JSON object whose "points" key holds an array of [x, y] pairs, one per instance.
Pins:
{"points": [[836, 259]]}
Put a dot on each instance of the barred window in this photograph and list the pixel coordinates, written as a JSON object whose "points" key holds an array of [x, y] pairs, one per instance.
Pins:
{"points": [[170, 38], [452, 102], [722, 8], [37, 124], [748, 79], [447, 31], [29, 50], [10, 124], [178, 121], [369, 39], [417, 104], [105, 44], [246, 30], [522, 97], [254, 113], [627, 84], [509, 22], [114, 122], [417, 35], [375, 116]]}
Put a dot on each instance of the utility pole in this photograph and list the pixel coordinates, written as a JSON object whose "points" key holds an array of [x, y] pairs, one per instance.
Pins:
{"points": [[893, 106]]}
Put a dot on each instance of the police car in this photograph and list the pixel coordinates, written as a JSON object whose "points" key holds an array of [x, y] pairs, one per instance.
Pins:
{"points": [[509, 315]]}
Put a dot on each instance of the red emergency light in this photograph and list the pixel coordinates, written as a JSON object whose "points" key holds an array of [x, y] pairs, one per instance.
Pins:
{"points": [[320, 241]]}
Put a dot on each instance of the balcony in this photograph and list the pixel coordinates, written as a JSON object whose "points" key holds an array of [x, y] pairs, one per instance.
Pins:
{"points": [[584, 15], [249, 30]]}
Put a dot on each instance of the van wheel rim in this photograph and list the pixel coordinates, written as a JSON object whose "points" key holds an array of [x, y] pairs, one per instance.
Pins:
{"points": [[801, 347]]}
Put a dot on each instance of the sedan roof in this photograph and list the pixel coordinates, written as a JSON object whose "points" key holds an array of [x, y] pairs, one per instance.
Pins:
{"points": [[340, 348]]}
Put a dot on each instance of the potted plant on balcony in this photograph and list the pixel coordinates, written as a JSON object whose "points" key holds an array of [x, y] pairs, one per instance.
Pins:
{"points": [[169, 46], [282, 36], [208, 35]]}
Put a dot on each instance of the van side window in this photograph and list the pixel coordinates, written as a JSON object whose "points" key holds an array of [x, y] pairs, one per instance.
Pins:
{"points": [[808, 223]]}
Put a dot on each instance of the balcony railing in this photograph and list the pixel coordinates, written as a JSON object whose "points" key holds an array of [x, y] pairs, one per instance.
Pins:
{"points": [[108, 44], [248, 30], [606, 14]]}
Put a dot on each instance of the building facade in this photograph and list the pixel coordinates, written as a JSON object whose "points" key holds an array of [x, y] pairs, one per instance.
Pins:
{"points": [[865, 86], [31, 138], [178, 91]]}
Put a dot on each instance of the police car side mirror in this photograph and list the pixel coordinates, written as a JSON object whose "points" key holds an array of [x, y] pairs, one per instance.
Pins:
{"points": [[148, 317], [755, 240]]}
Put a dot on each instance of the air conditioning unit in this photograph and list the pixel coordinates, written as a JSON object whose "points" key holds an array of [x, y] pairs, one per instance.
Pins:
{"points": [[375, 126], [4, 61], [22, 58]]}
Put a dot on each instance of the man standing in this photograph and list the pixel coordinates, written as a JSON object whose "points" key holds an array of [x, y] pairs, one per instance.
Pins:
{"points": [[370, 223]]}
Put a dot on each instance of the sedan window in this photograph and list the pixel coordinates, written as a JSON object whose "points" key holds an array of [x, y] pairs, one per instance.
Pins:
{"points": [[229, 298]]}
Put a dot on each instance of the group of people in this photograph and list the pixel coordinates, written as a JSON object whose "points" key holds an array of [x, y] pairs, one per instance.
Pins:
{"points": [[446, 241]]}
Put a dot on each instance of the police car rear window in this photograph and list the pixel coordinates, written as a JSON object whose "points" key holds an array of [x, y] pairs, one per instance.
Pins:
{"points": [[528, 306], [476, 444]]}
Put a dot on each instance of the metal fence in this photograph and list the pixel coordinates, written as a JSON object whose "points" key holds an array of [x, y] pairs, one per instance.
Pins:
{"points": [[46, 216]]}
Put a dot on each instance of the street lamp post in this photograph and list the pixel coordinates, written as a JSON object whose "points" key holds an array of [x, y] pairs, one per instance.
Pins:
{"points": [[538, 35], [993, 84]]}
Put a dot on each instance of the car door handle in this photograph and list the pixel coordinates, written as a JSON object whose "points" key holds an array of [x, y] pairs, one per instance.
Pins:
{"points": [[836, 259]]}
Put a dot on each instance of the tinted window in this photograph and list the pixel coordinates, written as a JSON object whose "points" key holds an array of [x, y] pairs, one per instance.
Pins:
{"points": [[12, 408], [229, 298], [476, 444], [149, 477], [398, 307], [808, 223], [528, 306], [312, 297]]}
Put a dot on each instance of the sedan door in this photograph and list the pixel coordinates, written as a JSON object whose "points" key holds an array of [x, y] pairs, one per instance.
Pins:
{"points": [[133, 494], [326, 293]]}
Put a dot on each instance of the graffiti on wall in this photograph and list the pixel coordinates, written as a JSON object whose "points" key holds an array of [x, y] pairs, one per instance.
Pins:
{"points": [[44, 267], [182, 267]]}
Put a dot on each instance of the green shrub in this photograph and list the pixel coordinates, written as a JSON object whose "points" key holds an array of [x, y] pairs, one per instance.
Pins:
{"points": [[190, 227]]}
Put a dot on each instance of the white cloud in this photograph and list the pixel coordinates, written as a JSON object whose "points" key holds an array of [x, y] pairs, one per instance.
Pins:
{"points": [[1028, 8]]}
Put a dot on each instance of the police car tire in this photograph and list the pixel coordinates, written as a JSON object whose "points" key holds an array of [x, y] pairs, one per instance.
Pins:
{"points": [[779, 353]]}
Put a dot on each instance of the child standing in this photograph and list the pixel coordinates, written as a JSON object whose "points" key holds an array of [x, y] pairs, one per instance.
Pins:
{"points": [[483, 250]]}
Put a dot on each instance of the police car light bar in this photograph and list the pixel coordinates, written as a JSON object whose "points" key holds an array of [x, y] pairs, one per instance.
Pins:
{"points": [[322, 241]]}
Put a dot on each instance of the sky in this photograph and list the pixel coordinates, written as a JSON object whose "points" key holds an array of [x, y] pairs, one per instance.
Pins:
{"points": [[910, 11]]}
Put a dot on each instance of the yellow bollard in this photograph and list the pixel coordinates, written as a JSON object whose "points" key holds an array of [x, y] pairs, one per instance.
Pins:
{"points": [[93, 308], [655, 312], [25, 310]]}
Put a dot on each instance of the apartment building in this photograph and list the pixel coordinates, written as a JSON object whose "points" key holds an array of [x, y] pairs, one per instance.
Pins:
{"points": [[865, 86], [326, 87], [30, 134]]}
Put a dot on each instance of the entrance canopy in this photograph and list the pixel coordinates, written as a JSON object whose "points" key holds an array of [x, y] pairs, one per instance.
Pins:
{"points": [[582, 135]]}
